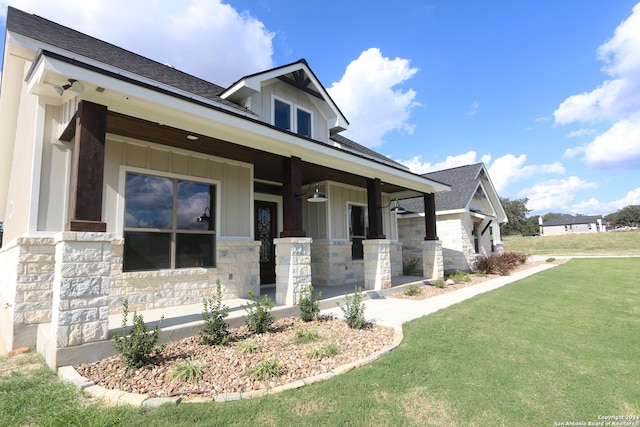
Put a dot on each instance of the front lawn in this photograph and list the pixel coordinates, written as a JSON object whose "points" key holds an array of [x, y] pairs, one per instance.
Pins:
{"points": [[560, 346]]}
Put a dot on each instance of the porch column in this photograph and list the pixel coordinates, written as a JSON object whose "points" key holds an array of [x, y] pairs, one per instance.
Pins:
{"points": [[293, 268], [374, 209], [432, 259], [377, 264], [88, 168], [291, 198], [81, 285]]}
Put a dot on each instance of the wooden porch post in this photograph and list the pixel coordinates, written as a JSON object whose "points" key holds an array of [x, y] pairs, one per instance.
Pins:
{"points": [[430, 216], [374, 202], [291, 198], [88, 169]]}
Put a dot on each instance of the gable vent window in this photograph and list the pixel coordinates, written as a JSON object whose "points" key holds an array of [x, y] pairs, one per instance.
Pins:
{"points": [[292, 117]]}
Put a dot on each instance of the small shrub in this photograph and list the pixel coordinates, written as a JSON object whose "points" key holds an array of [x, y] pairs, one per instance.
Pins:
{"points": [[186, 370], [259, 316], [137, 347], [410, 266], [266, 370], [439, 284], [500, 264], [412, 290], [551, 259], [304, 336], [248, 347], [460, 276], [215, 330], [326, 351], [309, 308], [353, 310]]}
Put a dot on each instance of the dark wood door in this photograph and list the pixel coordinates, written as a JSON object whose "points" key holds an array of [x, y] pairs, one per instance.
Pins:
{"points": [[266, 229]]}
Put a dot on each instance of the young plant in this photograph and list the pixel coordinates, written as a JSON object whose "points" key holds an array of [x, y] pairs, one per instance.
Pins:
{"points": [[353, 310], [308, 304], [460, 276], [304, 336], [259, 316], [137, 347], [439, 284], [412, 290], [248, 347], [326, 351], [266, 370], [186, 370], [215, 330]]}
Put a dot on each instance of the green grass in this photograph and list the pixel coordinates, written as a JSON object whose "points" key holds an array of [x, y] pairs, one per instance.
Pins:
{"points": [[609, 243], [558, 346]]}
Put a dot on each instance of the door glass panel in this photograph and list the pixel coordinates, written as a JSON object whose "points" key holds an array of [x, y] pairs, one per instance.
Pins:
{"points": [[264, 234]]}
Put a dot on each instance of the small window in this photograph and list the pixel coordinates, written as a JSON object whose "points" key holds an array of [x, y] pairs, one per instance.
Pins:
{"points": [[281, 114], [358, 226], [169, 223], [304, 123]]}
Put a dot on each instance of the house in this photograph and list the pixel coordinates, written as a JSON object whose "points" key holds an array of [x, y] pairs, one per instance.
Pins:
{"points": [[468, 218], [122, 177], [569, 224]]}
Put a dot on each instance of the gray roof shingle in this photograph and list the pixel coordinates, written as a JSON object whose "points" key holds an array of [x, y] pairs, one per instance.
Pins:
{"points": [[570, 220]]}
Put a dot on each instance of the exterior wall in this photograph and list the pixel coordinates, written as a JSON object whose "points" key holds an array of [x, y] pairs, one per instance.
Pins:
{"points": [[557, 230]]}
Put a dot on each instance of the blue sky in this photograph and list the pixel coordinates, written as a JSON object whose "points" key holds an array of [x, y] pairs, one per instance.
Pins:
{"points": [[546, 93]]}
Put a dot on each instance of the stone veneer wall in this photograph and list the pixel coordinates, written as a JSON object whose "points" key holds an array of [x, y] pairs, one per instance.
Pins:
{"points": [[331, 264], [26, 282], [237, 268]]}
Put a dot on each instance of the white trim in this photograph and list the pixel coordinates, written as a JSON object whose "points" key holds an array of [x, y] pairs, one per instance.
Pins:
{"points": [[36, 167], [293, 115]]}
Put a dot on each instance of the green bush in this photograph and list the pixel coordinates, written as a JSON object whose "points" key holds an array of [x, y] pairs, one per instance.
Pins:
{"points": [[137, 347], [308, 304], [500, 264], [248, 347], [259, 316], [186, 370], [266, 370], [439, 284], [460, 276], [326, 351], [215, 330], [304, 336], [412, 290], [551, 259], [353, 310]]}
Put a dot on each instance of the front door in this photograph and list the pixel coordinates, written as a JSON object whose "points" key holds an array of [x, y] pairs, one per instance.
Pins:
{"points": [[266, 230]]}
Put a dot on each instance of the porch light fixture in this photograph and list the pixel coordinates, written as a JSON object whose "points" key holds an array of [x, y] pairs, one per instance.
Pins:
{"points": [[74, 85], [205, 217], [396, 207], [315, 197]]}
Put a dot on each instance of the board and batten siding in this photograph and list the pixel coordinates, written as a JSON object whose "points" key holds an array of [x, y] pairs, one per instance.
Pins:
{"points": [[235, 178]]}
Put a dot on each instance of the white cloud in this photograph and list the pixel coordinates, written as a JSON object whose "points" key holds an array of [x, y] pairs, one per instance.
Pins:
{"points": [[616, 99], [596, 207], [554, 195], [368, 96], [507, 169], [206, 38], [580, 132], [473, 108], [468, 158]]}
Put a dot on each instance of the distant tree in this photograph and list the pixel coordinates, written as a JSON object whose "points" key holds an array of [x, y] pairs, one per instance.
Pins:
{"points": [[517, 212], [550, 215], [531, 226], [628, 216]]}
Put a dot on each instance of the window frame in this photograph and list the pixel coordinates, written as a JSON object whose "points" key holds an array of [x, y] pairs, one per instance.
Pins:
{"points": [[294, 108], [175, 231]]}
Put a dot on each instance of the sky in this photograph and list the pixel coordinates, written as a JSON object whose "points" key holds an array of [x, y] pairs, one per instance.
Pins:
{"points": [[546, 93]]}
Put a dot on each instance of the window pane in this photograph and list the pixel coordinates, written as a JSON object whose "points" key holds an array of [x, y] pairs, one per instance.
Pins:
{"points": [[148, 202], [194, 250], [194, 202], [146, 251], [282, 114], [357, 226], [304, 123]]}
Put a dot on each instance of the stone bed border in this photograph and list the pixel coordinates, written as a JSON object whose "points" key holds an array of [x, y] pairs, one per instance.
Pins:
{"points": [[68, 374]]}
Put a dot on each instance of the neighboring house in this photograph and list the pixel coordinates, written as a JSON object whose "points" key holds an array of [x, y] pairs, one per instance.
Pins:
{"points": [[121, 177], [569, 224], [468, 218]]}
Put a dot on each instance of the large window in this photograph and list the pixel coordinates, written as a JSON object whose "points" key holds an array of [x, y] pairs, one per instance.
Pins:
{"points": [[358, 226], [301, 123], [169, 223]]}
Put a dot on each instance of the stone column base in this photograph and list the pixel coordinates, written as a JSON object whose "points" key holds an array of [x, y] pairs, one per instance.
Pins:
{"points": [[432, 261], [293, 268], [377, 264]]}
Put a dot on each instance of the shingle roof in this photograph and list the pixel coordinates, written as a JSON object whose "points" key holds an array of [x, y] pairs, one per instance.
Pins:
{"points": [[463, 181], [354, 146], [570, 219]]}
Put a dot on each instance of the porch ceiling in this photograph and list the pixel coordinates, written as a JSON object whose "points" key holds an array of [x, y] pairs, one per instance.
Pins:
{"points": [[267, 166]]}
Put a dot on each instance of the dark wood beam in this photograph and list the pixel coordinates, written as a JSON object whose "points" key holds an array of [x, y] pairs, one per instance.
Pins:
{"points": [[88, 168], [430, 216], [292, 198], [374, 209]]}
